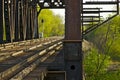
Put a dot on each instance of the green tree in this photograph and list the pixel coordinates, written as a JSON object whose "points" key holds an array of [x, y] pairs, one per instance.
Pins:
{"points": [[95, 64], [106, 39], [50, 24]]}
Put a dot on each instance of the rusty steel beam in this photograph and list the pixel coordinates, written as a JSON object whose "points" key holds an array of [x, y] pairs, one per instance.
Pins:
{"points": [[91, 8], [32, 21], [39, 12], [92, 16], [118, 6], [72, 20], [101, 2], [20, 20], [98, 25], [29, 34], [88, 21], [7, 24], [36, 31], [12, 19], [73, 40], [46, 4], [24, 17], [17, 24], [1, 21], [95, 12]]}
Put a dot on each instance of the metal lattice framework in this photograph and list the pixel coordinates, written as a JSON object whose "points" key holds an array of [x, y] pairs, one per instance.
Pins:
{"points": [[19, 21], [19, 17]]}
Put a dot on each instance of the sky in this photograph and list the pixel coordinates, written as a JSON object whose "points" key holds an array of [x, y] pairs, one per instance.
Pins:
{"points": [[61, 12]]}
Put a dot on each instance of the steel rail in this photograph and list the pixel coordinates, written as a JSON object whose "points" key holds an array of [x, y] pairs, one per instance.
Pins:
{"points": [[22, 49], [7, 45], [30, 68], [5, 75]]}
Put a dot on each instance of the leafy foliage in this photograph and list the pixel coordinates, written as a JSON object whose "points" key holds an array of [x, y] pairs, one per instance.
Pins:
{"points": [[52, 25], [107, 40], [95, 64], [107, 34]]}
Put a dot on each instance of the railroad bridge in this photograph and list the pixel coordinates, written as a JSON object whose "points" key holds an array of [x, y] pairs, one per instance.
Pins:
{"points": [[25, 56]]}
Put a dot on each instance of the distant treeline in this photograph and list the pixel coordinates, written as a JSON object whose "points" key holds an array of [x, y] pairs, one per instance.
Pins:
{"points": [[106, 40], [50, 24]]}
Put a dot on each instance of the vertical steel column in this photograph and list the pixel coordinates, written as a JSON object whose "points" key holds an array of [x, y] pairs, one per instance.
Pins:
{"points": [[12, 19], [35, 29], [7, 22], [1, 21], [73, 40], [20, 20], [24, 6], [32, 20], [118, 7], [22, 31], [17, 31], [28, 35], [36, 33], [28, 23], [28, 32]]}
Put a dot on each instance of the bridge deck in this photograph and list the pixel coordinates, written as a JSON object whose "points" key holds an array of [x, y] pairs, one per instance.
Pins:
{"points": [[53, 63]]}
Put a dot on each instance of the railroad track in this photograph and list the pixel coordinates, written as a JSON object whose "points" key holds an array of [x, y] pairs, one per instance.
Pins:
{"points": [[7, 46], [20, 65], [19, 48]]}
